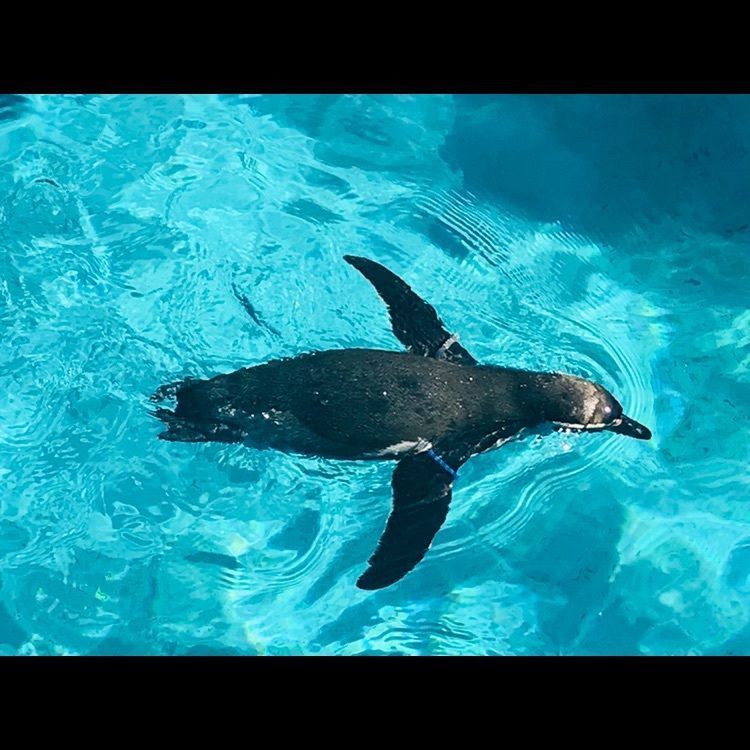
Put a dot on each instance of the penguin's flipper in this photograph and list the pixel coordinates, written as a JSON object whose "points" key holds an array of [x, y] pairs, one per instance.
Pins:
{"points": [[415, 323], [421, 496]]}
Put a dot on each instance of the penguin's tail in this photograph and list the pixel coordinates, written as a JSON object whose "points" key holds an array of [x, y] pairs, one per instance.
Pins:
{"points": [[180, 429], [192, 420], [170, 391]]}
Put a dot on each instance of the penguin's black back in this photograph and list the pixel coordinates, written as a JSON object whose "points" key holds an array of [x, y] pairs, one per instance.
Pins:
{"points": [[366, 399]]}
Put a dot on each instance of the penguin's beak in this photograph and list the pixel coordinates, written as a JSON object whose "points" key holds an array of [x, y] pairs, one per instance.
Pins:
{"points": [[627, 426]]}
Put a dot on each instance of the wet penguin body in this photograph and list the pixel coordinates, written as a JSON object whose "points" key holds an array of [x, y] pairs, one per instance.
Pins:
{"points": [[430, 409]]}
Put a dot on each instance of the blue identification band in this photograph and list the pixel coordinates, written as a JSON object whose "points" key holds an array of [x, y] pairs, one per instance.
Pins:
{"points": [[441, 463]]}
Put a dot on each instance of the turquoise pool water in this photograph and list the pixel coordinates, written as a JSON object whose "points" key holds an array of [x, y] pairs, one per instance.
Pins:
{"points": [[602, 236]]}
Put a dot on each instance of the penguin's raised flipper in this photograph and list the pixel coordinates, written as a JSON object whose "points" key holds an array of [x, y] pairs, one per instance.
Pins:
{"points": [[415, 323], [421, 496]]}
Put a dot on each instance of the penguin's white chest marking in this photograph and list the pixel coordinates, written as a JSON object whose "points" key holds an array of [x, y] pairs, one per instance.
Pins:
{"points": [[406, 446]]}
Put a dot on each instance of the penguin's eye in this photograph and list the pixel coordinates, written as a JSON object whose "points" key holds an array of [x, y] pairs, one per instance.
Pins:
{"points": [[612, 411]]}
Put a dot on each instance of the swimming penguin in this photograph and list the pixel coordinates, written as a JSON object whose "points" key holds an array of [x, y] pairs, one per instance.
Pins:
{"points": [[430, 409]]}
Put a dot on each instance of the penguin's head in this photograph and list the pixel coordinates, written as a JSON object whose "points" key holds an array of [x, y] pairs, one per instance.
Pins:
{"points": [[583, 406]]}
